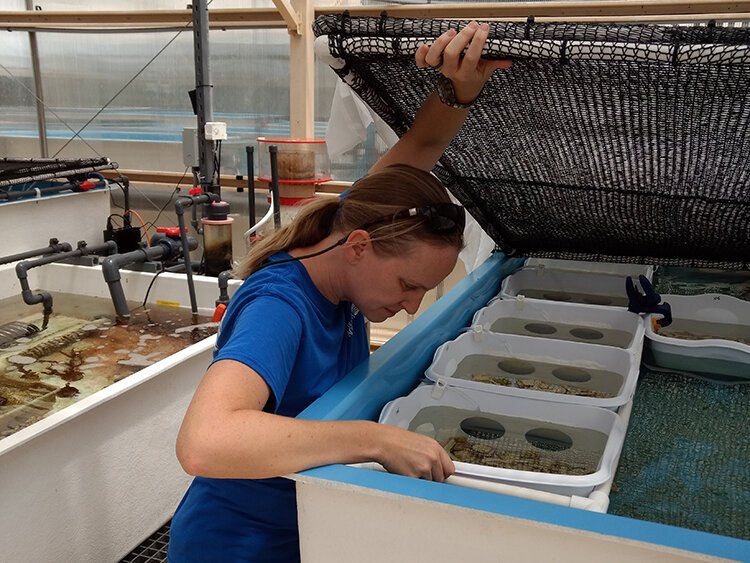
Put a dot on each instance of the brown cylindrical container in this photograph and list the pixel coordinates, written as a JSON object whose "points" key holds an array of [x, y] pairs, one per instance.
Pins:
{"points": [[302, 163], [217, 238]]}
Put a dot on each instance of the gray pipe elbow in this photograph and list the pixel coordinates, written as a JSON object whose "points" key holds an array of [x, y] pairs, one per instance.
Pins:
{"points": [[21, 270], [111, 269], [111, 247], [111, 272], [181, 203]]}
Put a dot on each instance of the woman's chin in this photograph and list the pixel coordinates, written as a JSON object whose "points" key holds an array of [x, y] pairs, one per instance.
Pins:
{"points": [[379, 316]]}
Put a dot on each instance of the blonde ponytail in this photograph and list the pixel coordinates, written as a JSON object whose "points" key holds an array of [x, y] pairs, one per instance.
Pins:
{"points": [[371, 198]]}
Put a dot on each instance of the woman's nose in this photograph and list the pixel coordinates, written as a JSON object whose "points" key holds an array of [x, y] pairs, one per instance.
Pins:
{"points": [[411, 304]]}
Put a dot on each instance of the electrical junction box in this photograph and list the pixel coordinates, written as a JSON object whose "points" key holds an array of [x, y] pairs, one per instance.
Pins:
{"points": [[215, 131], [190, 147]]}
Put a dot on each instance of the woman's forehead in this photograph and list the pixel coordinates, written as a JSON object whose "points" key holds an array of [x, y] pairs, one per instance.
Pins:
{"points": [[425, 264]]}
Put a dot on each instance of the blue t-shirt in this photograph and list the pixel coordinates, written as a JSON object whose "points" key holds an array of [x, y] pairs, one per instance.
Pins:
{"points": [[279, 324]]}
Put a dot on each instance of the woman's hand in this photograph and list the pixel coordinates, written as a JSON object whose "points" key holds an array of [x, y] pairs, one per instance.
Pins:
{"points": [[458, 57], [457, 54], [411, 454]]}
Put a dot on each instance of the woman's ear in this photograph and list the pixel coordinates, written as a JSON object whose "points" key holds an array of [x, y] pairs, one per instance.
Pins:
{"points": [[357, 244]]}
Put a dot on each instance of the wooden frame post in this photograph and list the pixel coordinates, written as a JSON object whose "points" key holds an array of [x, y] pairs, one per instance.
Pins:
{"points": [[302, 73]]}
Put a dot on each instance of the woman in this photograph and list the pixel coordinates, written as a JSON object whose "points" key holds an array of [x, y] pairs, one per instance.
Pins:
{"points": [[296, 326]]}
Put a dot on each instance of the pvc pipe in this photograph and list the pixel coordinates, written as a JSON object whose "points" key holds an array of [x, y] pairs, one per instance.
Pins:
{"points": [[179, 208], [161, 249], [44, 297], [223, 279], [504, 489], [39, 191], [600, 494], [249, 150], [263, 221], [275, 201], [54, 247]]}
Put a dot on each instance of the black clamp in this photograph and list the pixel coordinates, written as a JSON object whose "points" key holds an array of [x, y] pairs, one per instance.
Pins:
{"points": [[648, 302], [527, 28], [345, 22], [381, 23]]}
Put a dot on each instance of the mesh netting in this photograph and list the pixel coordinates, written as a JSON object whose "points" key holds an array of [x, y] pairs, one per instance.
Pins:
{"points": [[14, 171], [684, 461], [602, 142]]}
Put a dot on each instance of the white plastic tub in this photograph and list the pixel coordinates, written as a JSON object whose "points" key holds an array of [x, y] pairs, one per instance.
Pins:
{"points": [[686, 344], [607, 375], [615, 268], [566, 286], [571, 322], [90, 482], [562, 435]]}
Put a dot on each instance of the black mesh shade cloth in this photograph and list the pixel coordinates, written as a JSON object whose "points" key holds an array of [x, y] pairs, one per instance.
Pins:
{"points": [[14, 171], [602, 141]]}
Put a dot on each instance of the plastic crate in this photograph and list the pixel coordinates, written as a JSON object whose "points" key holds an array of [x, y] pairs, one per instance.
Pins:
{"points": [[527, 435], [547, 370], [571, 322], [686, 344], [615, 268], [566, 286]]}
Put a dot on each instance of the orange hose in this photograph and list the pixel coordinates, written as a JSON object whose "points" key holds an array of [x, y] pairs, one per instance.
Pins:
{"points": [[143, 223]]}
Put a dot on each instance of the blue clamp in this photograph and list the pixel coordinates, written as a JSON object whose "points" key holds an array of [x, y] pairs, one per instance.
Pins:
{"points": [[648, 302]]}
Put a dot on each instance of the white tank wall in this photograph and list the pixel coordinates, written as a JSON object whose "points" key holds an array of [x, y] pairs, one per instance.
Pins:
{"points": [[93, 487], [340, 522], [90, 482], [70, 217]]}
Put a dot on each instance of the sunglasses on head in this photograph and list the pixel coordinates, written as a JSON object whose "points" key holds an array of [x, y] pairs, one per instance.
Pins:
{"points": [[439, 217]]}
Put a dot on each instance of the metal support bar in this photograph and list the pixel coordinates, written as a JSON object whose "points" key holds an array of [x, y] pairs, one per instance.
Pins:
{"points": [[204, 98], [41, 118]]}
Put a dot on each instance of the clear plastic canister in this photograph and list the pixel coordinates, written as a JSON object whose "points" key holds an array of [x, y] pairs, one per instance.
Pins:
{"points": [[217, 238], [302, 164]]}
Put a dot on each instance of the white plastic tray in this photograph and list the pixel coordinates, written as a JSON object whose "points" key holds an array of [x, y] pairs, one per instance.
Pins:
{"points": [[616, 268], [584, 366], [566, 286], [528, 416], [572, 322], [720, 356]]}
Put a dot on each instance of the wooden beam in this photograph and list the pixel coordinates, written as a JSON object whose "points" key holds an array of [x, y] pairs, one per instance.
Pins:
{"points": [[267, 18], [557, 9], [302, 75], [664, 18], [148, 20], [290, 14], [170, 179]]}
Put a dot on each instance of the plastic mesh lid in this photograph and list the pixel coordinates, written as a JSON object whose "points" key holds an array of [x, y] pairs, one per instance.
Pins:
{"points": [[15, 171], [604, 142]]}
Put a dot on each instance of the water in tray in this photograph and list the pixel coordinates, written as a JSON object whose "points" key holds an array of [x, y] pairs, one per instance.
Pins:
{"points": [[563, 331], [536, 375], [81, 351], [703, 330], [575, 297], [507, 442]]}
